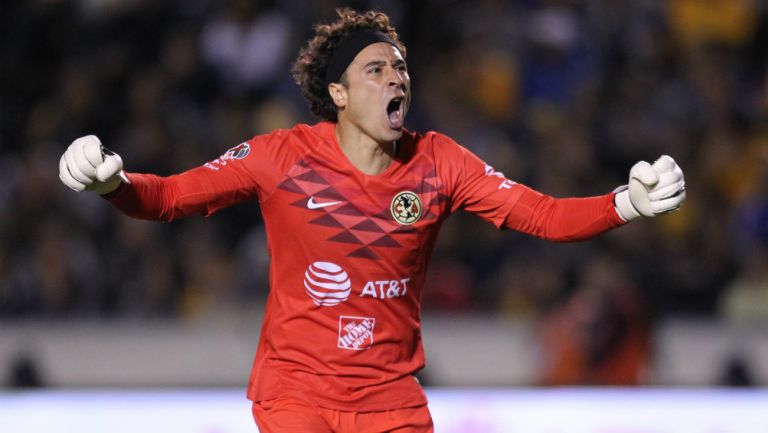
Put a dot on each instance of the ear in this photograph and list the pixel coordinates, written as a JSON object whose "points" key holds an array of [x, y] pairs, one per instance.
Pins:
{"points": [[338, 94]]}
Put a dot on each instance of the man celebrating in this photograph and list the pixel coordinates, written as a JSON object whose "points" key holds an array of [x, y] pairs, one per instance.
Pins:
{"points": [[352, 207]]}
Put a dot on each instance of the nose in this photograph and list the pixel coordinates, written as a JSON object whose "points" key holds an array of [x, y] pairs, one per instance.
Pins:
{"points": [[397, 78]]}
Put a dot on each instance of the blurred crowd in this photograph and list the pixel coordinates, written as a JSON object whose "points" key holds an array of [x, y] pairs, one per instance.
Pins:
{"points": [[564, 96]]}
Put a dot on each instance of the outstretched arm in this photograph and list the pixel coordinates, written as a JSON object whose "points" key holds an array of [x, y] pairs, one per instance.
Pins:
{"points": [[653, 190], [478, 188], [193, 192], [562, 219], [87, 166]]}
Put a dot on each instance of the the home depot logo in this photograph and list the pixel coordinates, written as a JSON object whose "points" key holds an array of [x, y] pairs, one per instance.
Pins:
{"points": [[355, 333]]}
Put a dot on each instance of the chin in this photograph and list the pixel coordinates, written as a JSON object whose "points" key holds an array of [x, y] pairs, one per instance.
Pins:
{"points": [[392, 135]]}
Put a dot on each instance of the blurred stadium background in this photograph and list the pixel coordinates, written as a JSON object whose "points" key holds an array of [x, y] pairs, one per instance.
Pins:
{"points": [[562, 95]]}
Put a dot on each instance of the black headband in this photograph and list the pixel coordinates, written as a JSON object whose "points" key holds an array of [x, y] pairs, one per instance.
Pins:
{"points": [[348, 49]]}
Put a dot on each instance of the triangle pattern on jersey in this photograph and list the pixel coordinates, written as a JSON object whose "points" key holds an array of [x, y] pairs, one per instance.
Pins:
{"points": [[348, 221], [289, 185], [311, 176], [310, 188], [348, 209], [364, 253], [327, 221], [330, 193], [346, 237], [385, 241], [357, 220], [367, 238], [302, 202], [368, 225], [351, 194], [385, 215]]}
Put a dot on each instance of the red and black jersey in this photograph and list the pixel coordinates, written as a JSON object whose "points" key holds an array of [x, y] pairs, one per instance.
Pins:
{"points": [[349, 251]]}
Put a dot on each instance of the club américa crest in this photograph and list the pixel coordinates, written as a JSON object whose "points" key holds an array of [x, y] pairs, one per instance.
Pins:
{"points": [[406, 208]]}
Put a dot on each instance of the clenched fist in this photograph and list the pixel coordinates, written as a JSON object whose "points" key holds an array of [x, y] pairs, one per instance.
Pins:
{"points": [[652, 190], [87, 166]]}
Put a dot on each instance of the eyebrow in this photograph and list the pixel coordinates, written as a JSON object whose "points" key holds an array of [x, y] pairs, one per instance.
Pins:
{"points": [[375, 63], [397, 62]]}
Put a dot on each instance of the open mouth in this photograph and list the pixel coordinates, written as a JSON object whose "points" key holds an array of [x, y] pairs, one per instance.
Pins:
{"points": [[395, 112]]}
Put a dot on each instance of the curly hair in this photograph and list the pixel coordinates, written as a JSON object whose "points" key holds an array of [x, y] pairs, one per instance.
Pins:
{"points": [[310, 65]]}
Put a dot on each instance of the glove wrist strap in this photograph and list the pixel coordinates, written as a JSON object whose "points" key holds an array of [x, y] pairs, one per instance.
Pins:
{"points": [[623, 204]]}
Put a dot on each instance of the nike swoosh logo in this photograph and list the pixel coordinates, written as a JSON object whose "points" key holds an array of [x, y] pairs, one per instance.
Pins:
{"points": [[312, 204]]}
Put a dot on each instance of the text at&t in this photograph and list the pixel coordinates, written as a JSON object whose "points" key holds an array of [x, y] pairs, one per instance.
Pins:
{"points": [[385, 289]]}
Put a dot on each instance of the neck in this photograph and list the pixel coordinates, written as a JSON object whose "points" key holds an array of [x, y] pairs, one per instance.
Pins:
{"points": [[362, 151]]}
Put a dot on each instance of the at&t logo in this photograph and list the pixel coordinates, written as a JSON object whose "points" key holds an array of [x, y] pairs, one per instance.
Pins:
{"points": [[327, 283]]}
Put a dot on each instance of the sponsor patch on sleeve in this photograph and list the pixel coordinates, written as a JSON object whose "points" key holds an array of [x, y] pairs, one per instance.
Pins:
{"points": [[238, 152]]}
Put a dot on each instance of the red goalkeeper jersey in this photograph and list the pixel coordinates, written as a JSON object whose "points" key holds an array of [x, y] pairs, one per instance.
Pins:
{"points": [[349, 251]]}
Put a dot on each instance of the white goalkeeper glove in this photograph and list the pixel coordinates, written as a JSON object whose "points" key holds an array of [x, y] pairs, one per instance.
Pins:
{"points": [[87, 166], [653, 189]]}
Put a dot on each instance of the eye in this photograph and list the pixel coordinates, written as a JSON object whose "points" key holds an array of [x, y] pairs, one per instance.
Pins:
{"points": [[375, 70]]}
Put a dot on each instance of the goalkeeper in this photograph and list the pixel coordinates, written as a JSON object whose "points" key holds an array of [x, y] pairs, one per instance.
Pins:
{"points": [[352, 207]]}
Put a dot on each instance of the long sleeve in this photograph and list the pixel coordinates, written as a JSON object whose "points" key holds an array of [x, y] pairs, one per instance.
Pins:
{"points": [[476, 187], [564, 219], [197, 191], [249, 170]]}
